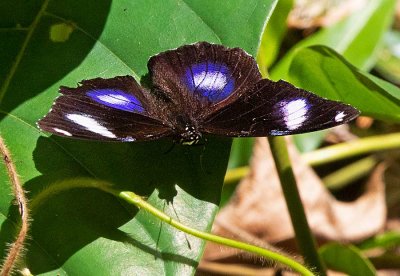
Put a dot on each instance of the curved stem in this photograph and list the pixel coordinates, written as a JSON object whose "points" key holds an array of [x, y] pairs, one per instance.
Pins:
{"points": [[305, 239], [140, 203]]}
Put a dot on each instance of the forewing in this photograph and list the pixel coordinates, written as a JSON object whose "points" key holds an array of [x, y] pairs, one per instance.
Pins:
{"points": [[115, 109], [277, 108], [204, 76]]}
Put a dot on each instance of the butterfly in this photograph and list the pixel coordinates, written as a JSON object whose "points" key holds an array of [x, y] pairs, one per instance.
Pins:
{"points": [[197, 89]]}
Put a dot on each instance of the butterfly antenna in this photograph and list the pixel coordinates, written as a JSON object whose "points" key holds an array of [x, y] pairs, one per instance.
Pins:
{"points": [[202, 155], [159, 233], [177, 217], [201, 159]]}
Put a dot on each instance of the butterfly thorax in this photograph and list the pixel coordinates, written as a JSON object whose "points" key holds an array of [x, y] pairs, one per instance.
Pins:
{"points": [[188, 133], [190, 136]]}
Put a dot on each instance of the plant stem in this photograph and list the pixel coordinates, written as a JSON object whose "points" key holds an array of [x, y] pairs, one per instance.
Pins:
{"points": [[350, 173], [132, 198], [334, 153], [236, 174], [17, 247], [304, 237], [352, 148], [138, 201]]}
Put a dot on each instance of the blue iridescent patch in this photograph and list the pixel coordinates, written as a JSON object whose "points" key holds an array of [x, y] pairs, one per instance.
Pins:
{"points": [[210, 80], [116, 98]]}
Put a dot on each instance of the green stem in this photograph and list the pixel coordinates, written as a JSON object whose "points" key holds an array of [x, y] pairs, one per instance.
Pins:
{"points": [[333, 153], [236, 174], [352, 148], [304, 237], [349, 173], [132, 198]]}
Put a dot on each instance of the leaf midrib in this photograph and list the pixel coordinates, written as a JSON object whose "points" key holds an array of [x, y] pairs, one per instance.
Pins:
{"points": [[21, 52]]}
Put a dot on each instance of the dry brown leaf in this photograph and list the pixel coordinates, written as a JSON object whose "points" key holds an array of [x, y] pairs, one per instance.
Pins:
{"points": [[257, 213], [311, 14], [364, 122]]}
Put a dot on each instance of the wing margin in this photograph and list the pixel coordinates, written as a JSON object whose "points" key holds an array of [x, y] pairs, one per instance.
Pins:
{"points": [[277, 108]]}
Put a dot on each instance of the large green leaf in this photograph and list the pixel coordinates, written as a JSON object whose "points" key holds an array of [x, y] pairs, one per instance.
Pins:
{"points": [[83, 231], [356, 38], [273, 36], [324, 72]]}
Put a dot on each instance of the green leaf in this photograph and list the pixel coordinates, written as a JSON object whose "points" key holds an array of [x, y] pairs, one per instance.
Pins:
{"points": [[237, 23], [388, 63], [273, 36], [386, 240], [242, 149], [357, 37], [241, 152], [347, 259], [82, 230], [307, 142], [327, 74]]}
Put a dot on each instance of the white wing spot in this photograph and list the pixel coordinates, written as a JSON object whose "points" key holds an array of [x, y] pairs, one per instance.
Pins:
{"points": [[61, 131], [90, 124], [339, 116], [114, 99], [294, 113], [210, 80]]}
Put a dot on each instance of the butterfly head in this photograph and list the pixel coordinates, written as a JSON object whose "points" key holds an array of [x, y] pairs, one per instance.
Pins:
{"points": [[190, 136]]}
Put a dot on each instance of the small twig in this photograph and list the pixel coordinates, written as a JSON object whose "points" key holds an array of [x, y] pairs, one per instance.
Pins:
{"points": [[17, 247]]}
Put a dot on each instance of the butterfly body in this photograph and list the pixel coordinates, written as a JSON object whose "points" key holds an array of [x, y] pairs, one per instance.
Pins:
{"points": [[196, 89]]}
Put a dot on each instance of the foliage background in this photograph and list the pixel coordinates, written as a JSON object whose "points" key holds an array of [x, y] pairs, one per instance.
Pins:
{"points": [[76, 228]]}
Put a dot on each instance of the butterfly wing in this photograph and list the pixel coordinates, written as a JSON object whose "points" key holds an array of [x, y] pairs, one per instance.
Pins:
{"points": [[277, 108], [115, 109], [202, 77], [200, 87]]}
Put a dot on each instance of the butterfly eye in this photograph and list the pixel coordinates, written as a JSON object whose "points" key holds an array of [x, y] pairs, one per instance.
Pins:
{"points": [[210, 80], [116, 99]]}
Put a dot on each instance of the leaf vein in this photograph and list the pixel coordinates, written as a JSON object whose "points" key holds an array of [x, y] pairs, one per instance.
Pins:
{"points": [[21, 52]]}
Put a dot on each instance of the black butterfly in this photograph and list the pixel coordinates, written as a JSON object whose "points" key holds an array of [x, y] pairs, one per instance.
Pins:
{"points": [[199, 88]]}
